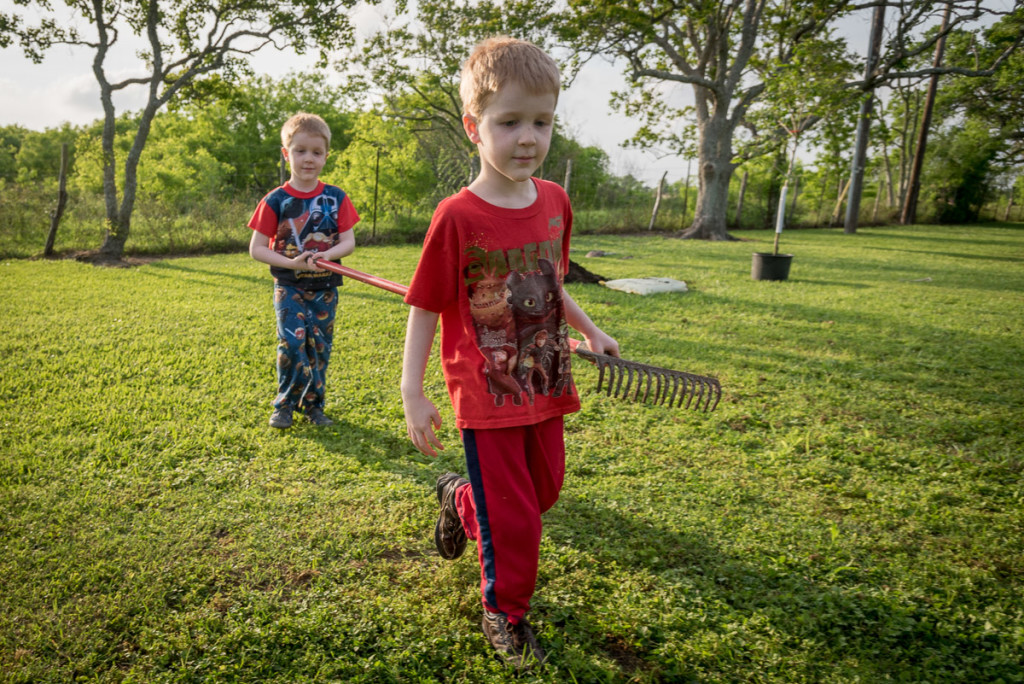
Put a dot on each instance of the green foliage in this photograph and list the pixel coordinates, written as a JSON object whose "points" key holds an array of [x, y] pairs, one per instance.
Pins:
{"points": [[39, 154], [187, 40], [996, 101], [413, 63], [243, 122], [959, 171], [88, 176], [179, 169], [850, 512], [804, 91], [10, 143], [384, 164]]}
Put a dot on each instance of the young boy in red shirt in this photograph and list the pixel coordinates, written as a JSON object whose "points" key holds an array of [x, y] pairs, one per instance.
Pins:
{"points": [[293, 226], [491, 269]]}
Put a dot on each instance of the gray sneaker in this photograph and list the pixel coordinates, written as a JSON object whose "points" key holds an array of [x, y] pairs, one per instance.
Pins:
{"points": [[449, 535], [281, 418], [515, 644], [316, 417]]}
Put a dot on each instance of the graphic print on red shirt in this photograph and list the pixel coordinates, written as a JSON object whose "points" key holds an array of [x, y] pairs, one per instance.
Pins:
{"points": [[495, 276]]}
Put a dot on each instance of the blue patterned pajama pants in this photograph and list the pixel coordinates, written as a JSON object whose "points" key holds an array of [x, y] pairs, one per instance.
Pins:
{"points": [[305, 332]]}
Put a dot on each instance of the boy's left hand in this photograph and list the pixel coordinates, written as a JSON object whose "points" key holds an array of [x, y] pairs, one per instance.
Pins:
{"points": [[602, 343], [311, 261]]}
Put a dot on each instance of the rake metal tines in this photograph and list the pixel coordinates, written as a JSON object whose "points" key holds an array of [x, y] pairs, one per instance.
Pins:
{"points": [[670, 387]]}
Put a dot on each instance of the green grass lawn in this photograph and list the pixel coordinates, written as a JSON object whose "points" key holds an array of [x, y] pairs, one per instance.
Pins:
{"points": [[852, 512]]}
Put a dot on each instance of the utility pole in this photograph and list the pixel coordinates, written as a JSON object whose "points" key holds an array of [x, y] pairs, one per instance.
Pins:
{"points": [[376, 186], [860, 148]]}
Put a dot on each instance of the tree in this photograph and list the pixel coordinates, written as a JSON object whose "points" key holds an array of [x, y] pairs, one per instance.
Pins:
{"points": [[908, 213], [716, 47], [998, 101], [978, 128], [384, 166], [242, 120], [10, 145], [37, 159], [413, 65], [184, 40], [959, 171], [803, 95]]}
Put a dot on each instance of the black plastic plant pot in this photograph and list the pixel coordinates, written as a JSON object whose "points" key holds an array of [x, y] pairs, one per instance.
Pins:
{"points": [[770, 266]]}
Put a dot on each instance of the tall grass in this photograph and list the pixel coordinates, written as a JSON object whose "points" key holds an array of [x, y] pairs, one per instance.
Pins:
{"points": [[852, 512]]}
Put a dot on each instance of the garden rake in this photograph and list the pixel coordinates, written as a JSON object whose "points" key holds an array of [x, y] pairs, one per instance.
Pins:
{"points": [[652, 383]]}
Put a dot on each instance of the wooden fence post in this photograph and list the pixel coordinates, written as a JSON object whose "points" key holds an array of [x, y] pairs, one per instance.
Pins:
{"points": [[686, 194], [657, 201], [839, 201], [874, 212], [739, 201], [62, 200]]}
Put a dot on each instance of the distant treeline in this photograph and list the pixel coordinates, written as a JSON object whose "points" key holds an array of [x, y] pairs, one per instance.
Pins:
{"points": [[211, 156]]}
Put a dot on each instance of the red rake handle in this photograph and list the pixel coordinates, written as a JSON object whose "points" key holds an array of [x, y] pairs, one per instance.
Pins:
{"points": [[382, 283], [385, 284]]}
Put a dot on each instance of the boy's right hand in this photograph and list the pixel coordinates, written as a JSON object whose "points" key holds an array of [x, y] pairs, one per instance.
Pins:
{"points": [[421, 419], [305, 262]]}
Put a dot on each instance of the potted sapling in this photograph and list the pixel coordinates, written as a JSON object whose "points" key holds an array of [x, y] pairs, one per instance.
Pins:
{"points": [[775, 266]]}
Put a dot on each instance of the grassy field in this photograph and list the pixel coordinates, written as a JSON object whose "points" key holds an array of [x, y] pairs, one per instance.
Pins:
{"points": [[852, 512]]}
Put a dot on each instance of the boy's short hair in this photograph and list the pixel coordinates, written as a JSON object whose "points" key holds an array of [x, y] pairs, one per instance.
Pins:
{"points": [[497, 61], [305, 123]]}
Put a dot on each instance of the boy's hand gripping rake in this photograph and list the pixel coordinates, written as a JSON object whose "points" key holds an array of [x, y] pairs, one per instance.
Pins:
{"points": [[670, 387]]}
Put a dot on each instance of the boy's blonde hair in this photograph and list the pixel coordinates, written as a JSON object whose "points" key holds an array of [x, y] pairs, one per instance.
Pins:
{"points": [[305, 123], [500, 60]]}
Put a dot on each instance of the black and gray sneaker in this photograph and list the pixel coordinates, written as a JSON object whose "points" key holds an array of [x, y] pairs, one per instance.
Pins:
{"points": [[516, 644], [449, 535], [316, 417], [281, 418]]}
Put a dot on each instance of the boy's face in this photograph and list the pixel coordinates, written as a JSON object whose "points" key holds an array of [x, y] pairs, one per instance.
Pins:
{"points": [[306, 155], [513, 134]]}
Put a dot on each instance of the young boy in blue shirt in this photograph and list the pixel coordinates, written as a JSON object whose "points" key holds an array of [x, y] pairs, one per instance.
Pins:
{"points": [[293, 226], [491, 270]]}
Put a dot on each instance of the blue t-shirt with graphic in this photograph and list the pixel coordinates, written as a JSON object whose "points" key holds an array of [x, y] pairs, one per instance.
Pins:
{"points": [[296, 222]]}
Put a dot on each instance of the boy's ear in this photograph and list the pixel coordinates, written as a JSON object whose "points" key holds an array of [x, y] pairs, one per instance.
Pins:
{"points": [[284, 152], [469, 125]]}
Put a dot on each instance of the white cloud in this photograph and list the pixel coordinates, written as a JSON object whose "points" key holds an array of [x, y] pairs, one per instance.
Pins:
{"points": [[61, 89]]}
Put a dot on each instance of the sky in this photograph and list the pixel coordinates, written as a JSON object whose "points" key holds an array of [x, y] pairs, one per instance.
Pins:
{"points": [[63, 89]]}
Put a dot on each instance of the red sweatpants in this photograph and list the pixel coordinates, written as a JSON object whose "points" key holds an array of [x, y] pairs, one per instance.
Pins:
{"points": [[515, 475]]}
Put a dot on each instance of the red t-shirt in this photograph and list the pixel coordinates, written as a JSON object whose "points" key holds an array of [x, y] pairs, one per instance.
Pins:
{"points": [[495, 277]]}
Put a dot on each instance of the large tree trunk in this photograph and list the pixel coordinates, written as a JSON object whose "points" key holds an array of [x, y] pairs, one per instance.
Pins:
{"points": [[714, 170], [119, 220], [115, 239], [908, 214]]}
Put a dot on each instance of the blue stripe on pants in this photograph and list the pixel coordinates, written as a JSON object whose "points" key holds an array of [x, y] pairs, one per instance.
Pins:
{"points": [[485, 540]]}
